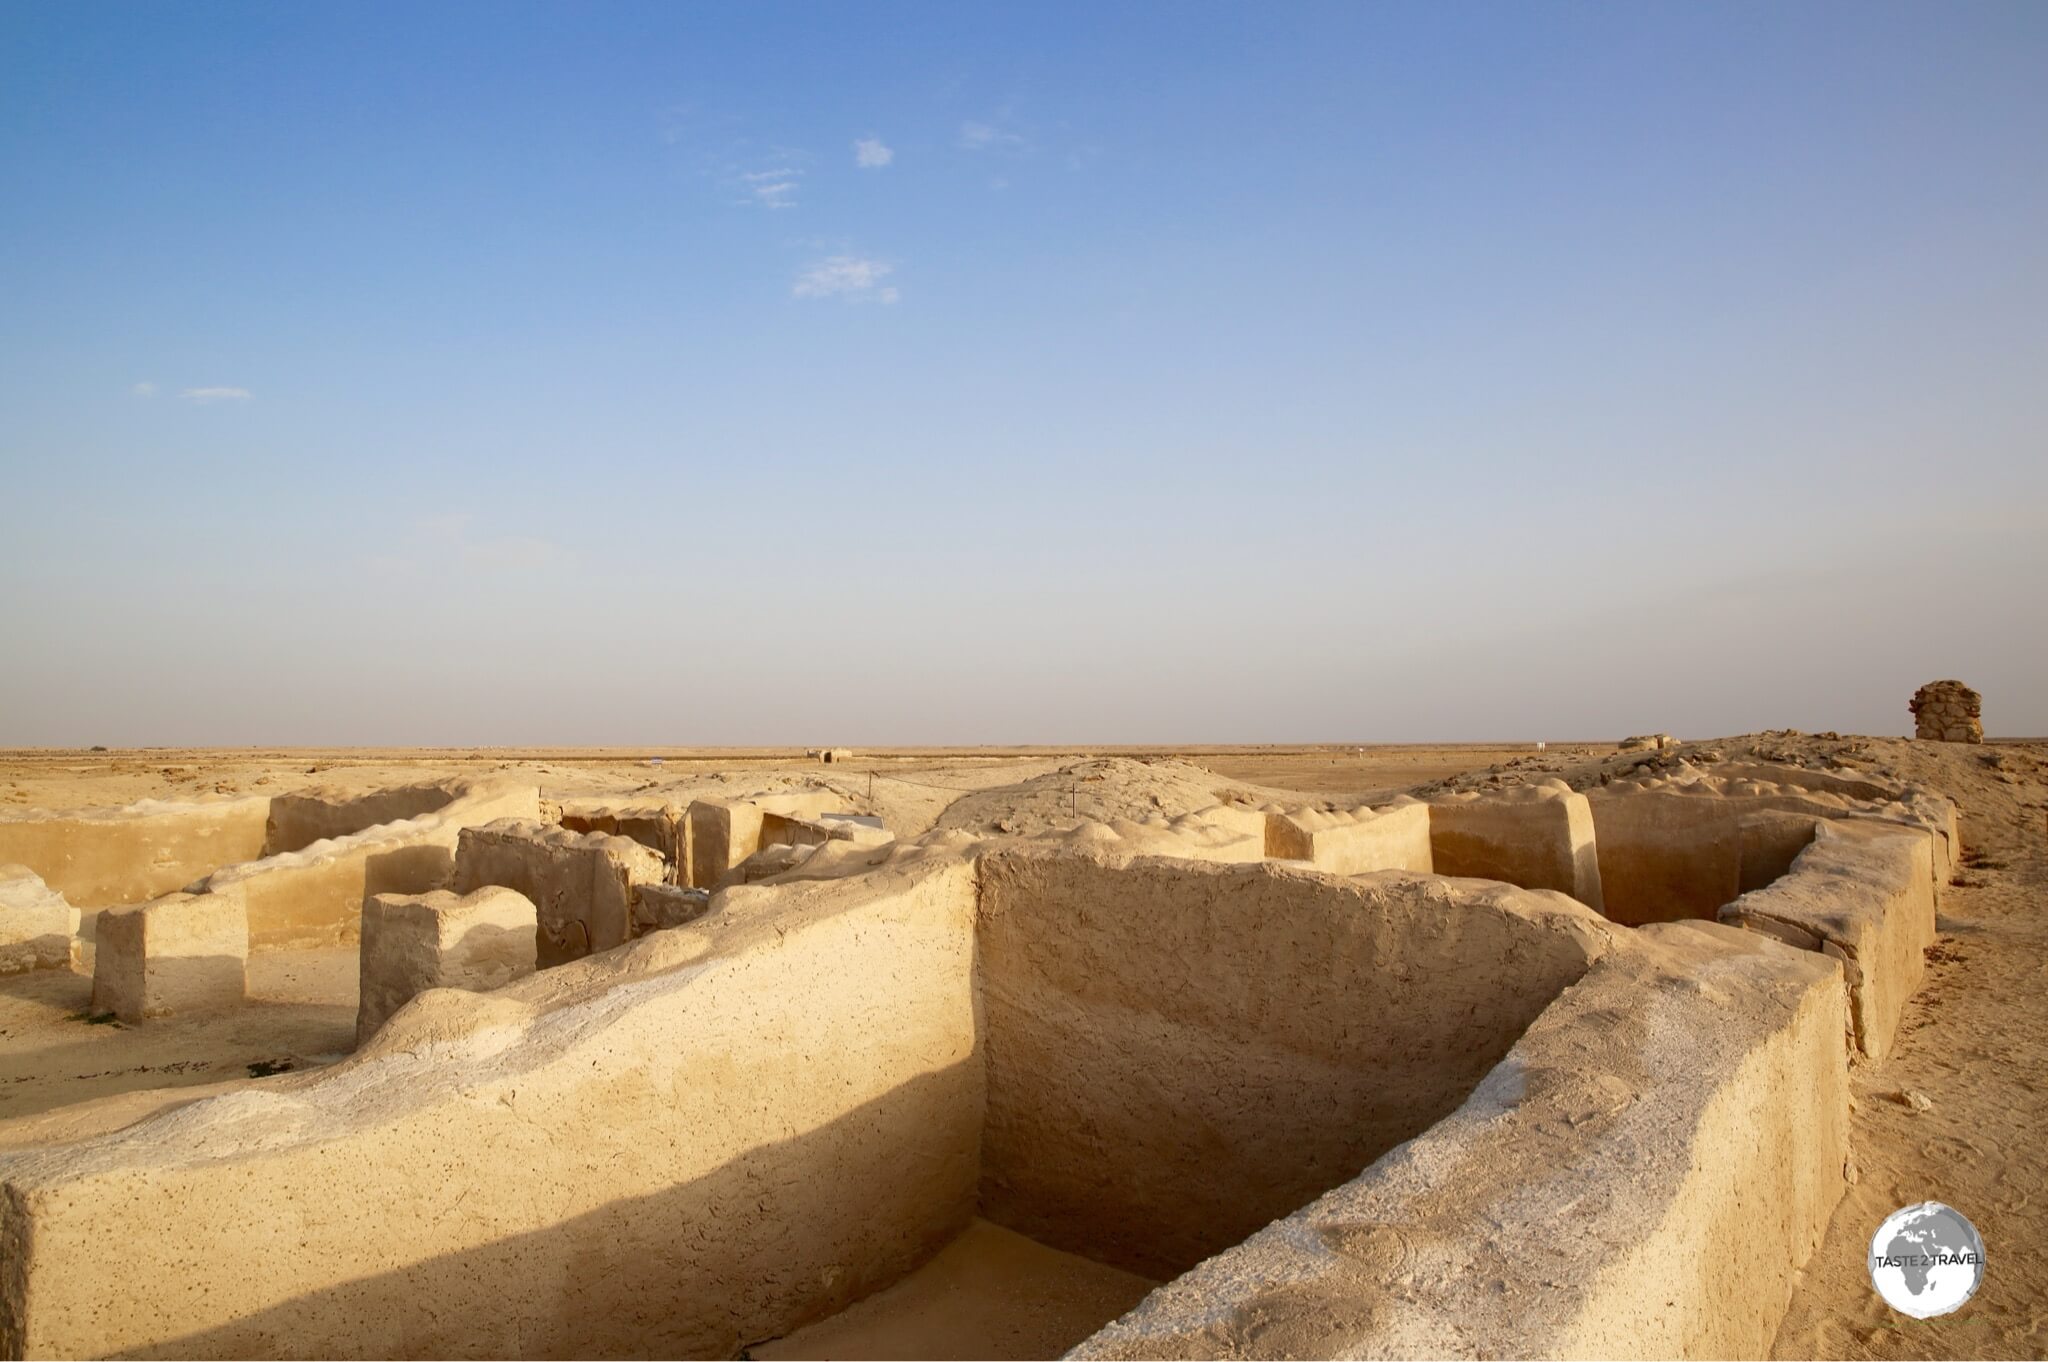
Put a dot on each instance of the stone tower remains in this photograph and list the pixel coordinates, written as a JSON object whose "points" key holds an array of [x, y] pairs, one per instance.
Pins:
{"points": [[1947, 711]]}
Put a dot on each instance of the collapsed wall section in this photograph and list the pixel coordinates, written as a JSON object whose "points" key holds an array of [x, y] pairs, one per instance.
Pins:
{"points": [[582, 884], [725, 832], [1178, 1053], [711, 1137], [661, 828], [38, 927]]}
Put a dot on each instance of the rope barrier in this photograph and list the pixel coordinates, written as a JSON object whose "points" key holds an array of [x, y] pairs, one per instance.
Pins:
{"points": [[925, 785]]}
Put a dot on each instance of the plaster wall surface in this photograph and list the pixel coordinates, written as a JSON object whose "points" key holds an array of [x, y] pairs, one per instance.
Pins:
{"points": [[38, 928], [1353, 842], [1540, 837], [1767, 843], [653, 1152], [297, 821], [1178, 1053], [1643, 1176], [582, 884], [179, 953], [1143, 1060], [414, 942], [99, 857], [314, 896], [661, 828], [1735, 790], [1860, 893], [1667, 855], [725, 832], [781, 829]]}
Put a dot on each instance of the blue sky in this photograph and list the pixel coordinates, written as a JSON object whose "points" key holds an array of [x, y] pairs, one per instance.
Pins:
{"points": [[890, 374]]}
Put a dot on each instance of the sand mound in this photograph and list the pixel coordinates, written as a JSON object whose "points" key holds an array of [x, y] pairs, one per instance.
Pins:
{"points": [[1105, 790]]}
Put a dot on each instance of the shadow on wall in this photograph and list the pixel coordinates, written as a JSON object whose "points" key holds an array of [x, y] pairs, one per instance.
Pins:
{"points": [[99, 858], [1159, 1057], [1669, 857], [789, 1233], [408, 870], [1178, 1054], [296, 821]]}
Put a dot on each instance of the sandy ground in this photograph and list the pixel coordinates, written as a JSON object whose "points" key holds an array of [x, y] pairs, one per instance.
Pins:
{"points": [[67, 778], [55, 1051], [990, 1293], [1974, 1044]]}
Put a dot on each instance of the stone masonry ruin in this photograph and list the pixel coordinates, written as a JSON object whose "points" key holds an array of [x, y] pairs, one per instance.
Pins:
{"points": [[725, 1077], [1947, 711]]}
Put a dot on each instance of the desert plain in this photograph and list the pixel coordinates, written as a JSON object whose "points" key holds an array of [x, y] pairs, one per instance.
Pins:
{"points": [[1953, 1111]]}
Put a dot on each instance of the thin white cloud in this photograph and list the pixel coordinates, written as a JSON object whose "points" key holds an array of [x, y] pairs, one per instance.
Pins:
{"points": [[871, 153], [854, 278], [206, 396], [772, 188], [987, 137], [143, 389]]}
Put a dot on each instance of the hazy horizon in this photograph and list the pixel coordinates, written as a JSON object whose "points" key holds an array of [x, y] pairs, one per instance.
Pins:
{"points": [[651, 375]]}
